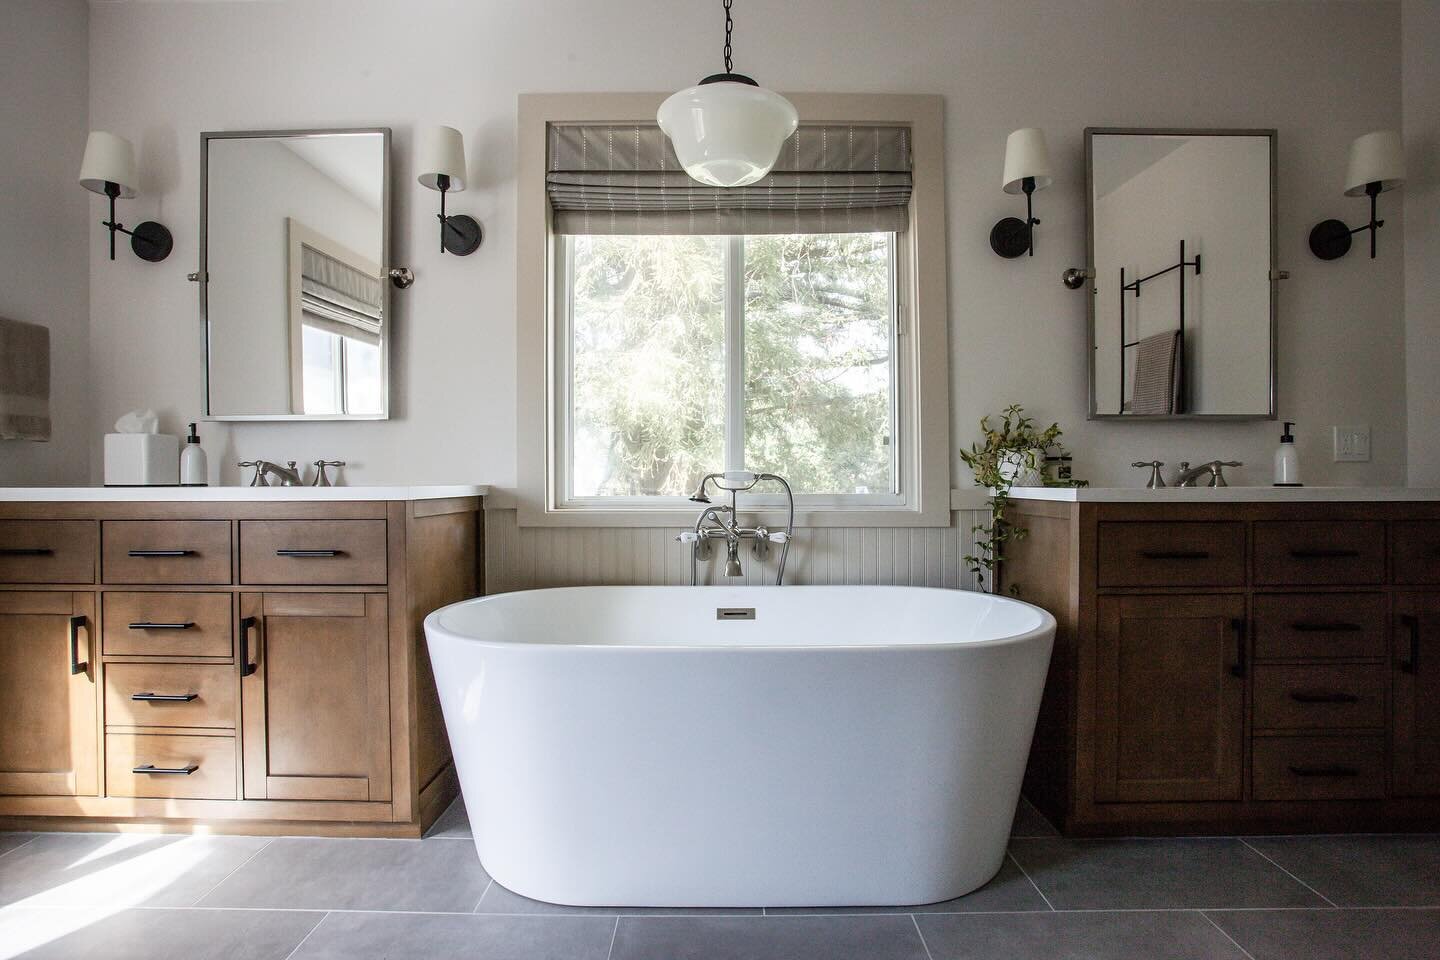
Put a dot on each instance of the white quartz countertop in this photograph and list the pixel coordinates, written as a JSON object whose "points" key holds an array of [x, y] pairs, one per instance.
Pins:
{"points": [[234, 494], [1228, 494]]}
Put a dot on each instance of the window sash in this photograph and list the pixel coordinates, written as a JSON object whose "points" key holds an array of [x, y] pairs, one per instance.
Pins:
{"points": [[563, 357]]}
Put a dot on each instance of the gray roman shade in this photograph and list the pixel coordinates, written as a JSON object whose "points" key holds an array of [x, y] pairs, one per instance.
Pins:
{"points": [[625, 179], [337, 298]]}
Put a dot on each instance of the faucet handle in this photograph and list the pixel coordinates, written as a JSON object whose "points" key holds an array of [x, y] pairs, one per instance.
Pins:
{"points": [[258, 480], [1156, 480], [321, 479], [687, 536], [1217, 471]]}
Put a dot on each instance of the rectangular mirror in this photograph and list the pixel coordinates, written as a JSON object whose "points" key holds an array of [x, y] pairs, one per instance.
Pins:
{"points": [[294, 238], [1182, 244]]}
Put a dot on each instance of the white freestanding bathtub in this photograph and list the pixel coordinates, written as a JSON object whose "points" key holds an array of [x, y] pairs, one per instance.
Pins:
{"points": [[656, 746]]}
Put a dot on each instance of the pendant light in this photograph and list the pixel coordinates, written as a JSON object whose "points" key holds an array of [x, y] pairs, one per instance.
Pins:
{"points": [[727, 130]]}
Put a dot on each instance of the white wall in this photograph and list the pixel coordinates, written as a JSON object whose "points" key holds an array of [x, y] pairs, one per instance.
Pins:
{"points": [[45, 219], [1421, 20], [1320, 72]]}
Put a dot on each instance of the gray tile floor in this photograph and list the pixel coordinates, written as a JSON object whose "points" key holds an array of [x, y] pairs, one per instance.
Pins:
{"points": [[238, 898]]}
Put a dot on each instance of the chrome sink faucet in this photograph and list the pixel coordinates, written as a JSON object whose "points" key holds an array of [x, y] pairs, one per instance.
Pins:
{"points": [[721, 523], [1215, 468]]}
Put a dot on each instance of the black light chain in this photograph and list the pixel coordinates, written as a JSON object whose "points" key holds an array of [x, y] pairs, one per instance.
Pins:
{"points": [[729, 26]]}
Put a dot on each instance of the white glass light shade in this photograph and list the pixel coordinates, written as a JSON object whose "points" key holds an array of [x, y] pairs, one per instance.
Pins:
{"points": [[727, 134], [1376, 156], [108, 158], [440, 151], [1026, 156]]}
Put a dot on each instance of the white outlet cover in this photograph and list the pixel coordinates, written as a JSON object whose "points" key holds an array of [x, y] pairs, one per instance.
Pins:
{"points": [[1352, 444]]}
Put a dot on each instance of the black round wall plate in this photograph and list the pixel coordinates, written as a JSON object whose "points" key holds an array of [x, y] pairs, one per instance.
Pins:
{"points": [[1330, 239], [1010, 238], [151, 241], [461, 235]]}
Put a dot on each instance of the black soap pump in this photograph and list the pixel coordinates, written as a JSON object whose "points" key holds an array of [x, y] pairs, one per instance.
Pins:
{"points": [[1287, 460]]}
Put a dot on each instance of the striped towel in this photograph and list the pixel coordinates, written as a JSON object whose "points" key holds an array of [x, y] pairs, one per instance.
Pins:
{"points": [[1156, 385], [24, 381]]}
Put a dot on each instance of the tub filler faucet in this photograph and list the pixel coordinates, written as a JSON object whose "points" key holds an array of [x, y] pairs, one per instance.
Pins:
{"points": [[721, 523]]}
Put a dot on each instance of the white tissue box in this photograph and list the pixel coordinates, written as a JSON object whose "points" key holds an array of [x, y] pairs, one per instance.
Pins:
{"points": [[142, 460]]}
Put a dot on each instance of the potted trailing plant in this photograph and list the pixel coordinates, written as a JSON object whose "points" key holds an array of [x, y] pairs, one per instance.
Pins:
{"points": [[1012, 453]]}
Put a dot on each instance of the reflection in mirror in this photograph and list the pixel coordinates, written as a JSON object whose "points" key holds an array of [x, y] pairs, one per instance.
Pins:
{"points": [[1182, 247], [294, 236]]}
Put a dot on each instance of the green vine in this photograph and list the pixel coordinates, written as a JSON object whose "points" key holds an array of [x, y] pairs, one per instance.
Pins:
{"points": [[1015, 448]]}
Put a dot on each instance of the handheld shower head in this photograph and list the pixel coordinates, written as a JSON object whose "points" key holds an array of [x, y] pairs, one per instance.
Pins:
{"points": [[699, 495]]}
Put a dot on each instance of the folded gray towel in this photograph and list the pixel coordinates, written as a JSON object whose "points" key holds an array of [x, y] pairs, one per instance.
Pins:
{"points": [[1156, 385], [24, 381]]}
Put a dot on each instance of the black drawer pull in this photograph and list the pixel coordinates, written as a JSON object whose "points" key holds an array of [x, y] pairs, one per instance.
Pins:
{"points": [[161, 553], [308, 553], [1175, 554], [165, 697], [1322, 696], [77, 666], [150, 768], [148, 625], [1325, 626], [1412, 624], [26, 552], [247, 668], [1334, 771], [1238, 625], [1320, 553]]}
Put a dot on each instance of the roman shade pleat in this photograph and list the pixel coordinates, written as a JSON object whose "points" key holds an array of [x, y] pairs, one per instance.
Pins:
{"points": [[338, 298], [625, 179]]}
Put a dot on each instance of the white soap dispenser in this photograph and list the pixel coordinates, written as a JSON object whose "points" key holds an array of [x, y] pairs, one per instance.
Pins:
{"points": [[1287, 460], [193, 468]]}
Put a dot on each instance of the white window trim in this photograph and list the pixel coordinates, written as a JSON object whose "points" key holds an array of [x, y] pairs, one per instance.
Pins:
{"points": [[922, 438]]}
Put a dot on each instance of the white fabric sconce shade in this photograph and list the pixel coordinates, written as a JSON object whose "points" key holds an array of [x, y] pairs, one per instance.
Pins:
{"points": [[1375, 158], [440, 152], [111, 159], [1026, 156], [727, 133]]}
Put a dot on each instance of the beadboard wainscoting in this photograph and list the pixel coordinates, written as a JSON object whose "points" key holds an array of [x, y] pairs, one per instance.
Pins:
{"points": [[526, 558]]}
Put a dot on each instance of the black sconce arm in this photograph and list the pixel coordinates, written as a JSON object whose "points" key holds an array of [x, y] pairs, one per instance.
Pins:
{"points": [[459, 235], [149, 240]]}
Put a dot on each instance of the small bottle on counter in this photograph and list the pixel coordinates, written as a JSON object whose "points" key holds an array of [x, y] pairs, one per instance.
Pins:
{"points": [[193, 467], [1287, 460]]}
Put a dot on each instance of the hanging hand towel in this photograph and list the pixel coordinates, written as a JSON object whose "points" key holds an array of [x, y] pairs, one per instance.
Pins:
{"points": [[1156, 385], [24, 381]]}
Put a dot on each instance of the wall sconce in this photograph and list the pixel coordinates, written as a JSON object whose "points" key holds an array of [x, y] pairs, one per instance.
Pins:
{"points": [[442, 167], [1377, 164], [109, 170], [1027, 169]]}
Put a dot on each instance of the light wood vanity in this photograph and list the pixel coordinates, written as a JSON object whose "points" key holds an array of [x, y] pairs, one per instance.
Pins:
{"points": [[1236, 660], [243, 660]]}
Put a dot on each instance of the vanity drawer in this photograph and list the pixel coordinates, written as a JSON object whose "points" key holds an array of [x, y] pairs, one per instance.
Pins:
{"points": [[1415, 551], [1319, 551], [1318, 768], [47, 551], [165, 551], [1145, 554], [331, 552], [213, 760], [1320, 625], [209, 687], [166, 624], [1320, 696]]}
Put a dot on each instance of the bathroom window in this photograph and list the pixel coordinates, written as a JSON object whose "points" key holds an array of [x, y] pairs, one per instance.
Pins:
{"points": [[688, 354]]}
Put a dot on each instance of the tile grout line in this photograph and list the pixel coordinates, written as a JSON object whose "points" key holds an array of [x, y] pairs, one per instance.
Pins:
{"points": [[482, 894], [1287, 872], [246, 862], [916, 922], [1226, 935], [1026, 873], [24, 843], [613, 932], [292, 953]]}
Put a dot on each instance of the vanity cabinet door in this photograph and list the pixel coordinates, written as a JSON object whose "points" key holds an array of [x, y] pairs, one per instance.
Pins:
{"points": [[315, 696], [1170, 698], [1416, 672], [49, 742]]}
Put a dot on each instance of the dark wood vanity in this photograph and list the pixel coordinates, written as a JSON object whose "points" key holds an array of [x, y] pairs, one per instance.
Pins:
{"points": [[1235, 666]]}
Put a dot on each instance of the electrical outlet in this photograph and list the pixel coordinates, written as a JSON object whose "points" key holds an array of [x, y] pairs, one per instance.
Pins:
{"points": [[1352, 444]]}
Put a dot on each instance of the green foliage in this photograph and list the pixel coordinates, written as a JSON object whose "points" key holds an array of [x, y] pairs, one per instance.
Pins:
{"points": [[1008, 451], [649, 362]]}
